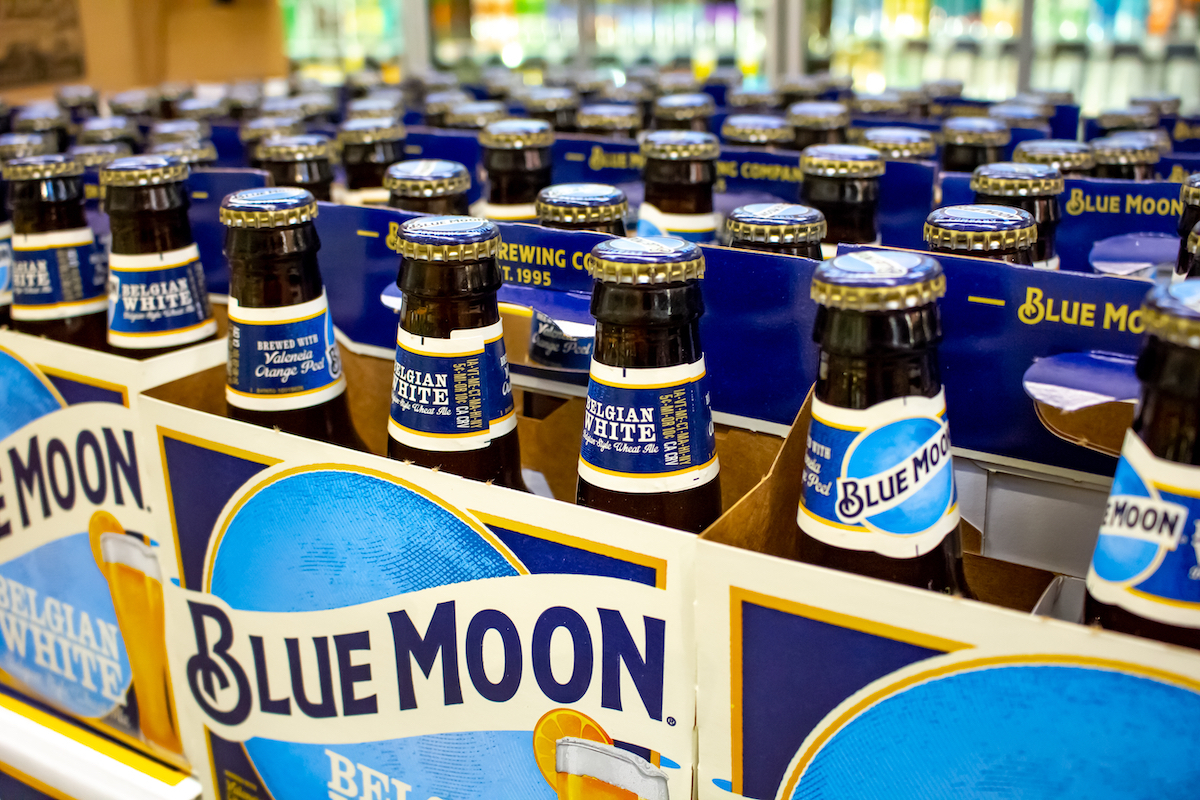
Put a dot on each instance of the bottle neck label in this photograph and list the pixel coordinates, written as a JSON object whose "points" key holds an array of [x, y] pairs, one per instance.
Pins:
{"points": [[57, 275], [158, 300], [282, 359], [6, 262], [648, 431], [1147, 559], [516, 212], [451, 395], [700, 228], [879, 479]]}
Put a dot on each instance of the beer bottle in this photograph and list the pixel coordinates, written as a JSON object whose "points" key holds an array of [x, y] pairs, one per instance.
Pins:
{"points": [[787, 228], [428, 186], [800, 89], [879, 104], [583, 207], [205, 108], [1189, 193], [753, 101], [842, 181], [1133, 118], [59, 271], [47, 119], [420, 86], [255, 131], [1164, 105], [1143, 576], [179, 130], [877, 496], [759, 131], [157, 299], [679, 173], [818, 123], [170, 95], [1073, 159], [452, 401], [105, 130], [79, 100], [1001, 233], [244, 99], [301, 161], [284, 368], [372, 107], [368, 147], [970, 142], [134, 103], [1124, 159], [1033, 187], [196, 153], [649, 447], [438, 103], [590, 83], [516, 164], [1158, 137], [609, 119], [647, 74], [13, 145], [475, 116], [555, 105], [684, 112], [901, 144], [631, 93]]}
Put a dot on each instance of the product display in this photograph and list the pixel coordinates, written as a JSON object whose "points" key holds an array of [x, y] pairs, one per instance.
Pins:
{"points": [[428, 186], [516, 163]]}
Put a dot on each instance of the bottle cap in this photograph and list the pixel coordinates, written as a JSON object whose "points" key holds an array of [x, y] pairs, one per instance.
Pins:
{"points": [[1189, 193], [980, 228], [841, 161], [202, 108], [441, 102], [690, 105], [986, 131], [1124, 150], [476, 115], [256, 130], [748, 98], [756, 129], [1039, 102], [282, 107], [681, 146], [39, 117], [628, 92], [1171, 312], [608, 117], [591, 80], [147, 170], [1054, 97], [818, 115], [96, 130], [23, 145], [1016, 115], [677, 83], [517, 134], [501, 81], [427, 177], [435, 80], [314, 103], [364, 79], [368, 130], [1009, 179], [943, 88], [172, 91], [549, 98], [775, 223], [189, 152], [271, 207], [1165, 105], [808, 85], [878, 280], [305, 147], [32, 168], [1156, 137], [1132, 117], [894, 143], [134, 102], [645, 260], [581, 203], [449, 239], [179, 130], [373, 107], [75, 95], [881, 103], [98, 154], [1065, 154], [1193, 241]]}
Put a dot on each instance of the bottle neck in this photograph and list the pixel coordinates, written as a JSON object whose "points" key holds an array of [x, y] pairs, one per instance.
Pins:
{"points": [[148, 219], [870, 357], [43, 206], [680, 187], [273, 267], [616, 227], [644, 326], [807, 137], [1022, 256], [849, 205], [442, 297], [966, 157], [515, 177], [1168, 416]]}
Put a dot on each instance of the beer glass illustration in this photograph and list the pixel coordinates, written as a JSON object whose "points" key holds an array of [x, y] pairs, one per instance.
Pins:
{"points": [[135, 582], [590, 770]]}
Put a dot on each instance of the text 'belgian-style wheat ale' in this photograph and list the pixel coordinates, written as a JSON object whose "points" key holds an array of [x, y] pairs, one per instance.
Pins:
{"points": [[877, 494]]}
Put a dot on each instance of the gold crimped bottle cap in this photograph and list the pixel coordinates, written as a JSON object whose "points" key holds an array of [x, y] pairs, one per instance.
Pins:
{"points": [[305, 147], [37, 117], [803, 85], [581, 203], [983, 131], [882, 103], [608, 117], [265, 127], [449, 239], [1132, 117], [33, 168], [476, 115], [441, 102], [756, 129], [143, 171], [896, 143], [646, 260], [681, 146], [22, 145], [628, 92], [980, 228], [1009, 179], [841, 161], [687, 105], [775, 223], [878, 280], [1172, 312], [1189, 193], [1065, 154], [272, 207], [179, 130], [752, 98], [189, 152], [368, 130], [134, 102], [517, 134], [427, 177], [1123, 150], [818, 115], [98, 154], [548, 99]]}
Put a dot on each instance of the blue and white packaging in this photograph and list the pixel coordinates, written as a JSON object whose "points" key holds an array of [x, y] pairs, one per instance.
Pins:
{"points": [[57, 275], [158, 299]]}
